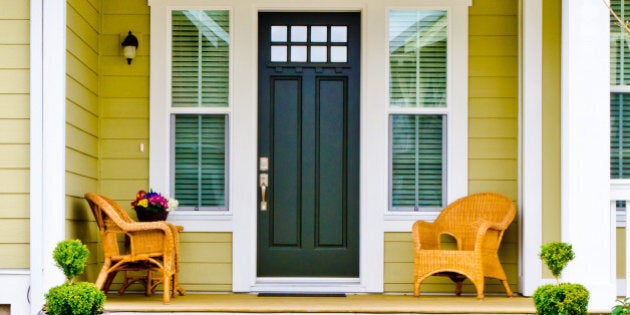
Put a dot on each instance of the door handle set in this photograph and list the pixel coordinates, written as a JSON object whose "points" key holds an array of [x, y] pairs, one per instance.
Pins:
{"points": [[263, 179], [264, 183]]}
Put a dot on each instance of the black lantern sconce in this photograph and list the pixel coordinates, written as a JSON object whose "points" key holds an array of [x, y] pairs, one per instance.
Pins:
{"points": [[130, 45]]}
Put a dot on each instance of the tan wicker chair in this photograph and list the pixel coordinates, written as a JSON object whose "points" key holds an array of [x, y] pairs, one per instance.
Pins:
{"points": [[477, 223], [153, 246]]}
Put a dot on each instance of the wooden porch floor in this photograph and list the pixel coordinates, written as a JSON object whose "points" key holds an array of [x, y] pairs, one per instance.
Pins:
{"points": [[359, 303]]}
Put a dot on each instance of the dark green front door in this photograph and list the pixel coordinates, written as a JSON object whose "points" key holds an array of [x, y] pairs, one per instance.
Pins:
{"points": [[308, 144]]}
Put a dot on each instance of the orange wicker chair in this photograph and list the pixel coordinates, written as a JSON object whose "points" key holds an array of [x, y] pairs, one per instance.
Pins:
{"points": [[153, 246], [477, 223]]}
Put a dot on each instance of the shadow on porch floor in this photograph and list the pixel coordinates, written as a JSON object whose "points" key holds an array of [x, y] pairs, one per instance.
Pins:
{"points": [[360, 303]]}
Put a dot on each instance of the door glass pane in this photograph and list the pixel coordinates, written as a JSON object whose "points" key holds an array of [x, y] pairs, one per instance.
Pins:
{"points": [[338, 54], [338, 34], [417, 58], [417, 162], [319, 53], [279, 53], [200, 161], [298, 53], [319, 34], [298, 34], [200, 58], [278, 33]]}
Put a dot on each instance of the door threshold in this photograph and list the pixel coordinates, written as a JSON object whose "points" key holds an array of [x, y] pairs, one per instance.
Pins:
{"points": [[308, 285]]}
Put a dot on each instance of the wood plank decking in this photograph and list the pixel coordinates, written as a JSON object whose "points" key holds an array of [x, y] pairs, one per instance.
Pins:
{"points": [[359, 303]]}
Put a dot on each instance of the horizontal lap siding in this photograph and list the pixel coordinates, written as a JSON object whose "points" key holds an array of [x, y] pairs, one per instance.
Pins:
{"points": [[206, 258], [492, 139], [82, 85], [14, 134]]}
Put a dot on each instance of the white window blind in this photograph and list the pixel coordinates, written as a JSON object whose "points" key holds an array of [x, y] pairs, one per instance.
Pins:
{"points": [[200, 54], [620, 93], [418, 80], [417, 161], [200, 161], [417, 58]]}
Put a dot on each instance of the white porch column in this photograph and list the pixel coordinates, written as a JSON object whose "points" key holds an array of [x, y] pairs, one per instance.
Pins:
{"points": [[47, 146], [531, 147], [586, 221]]}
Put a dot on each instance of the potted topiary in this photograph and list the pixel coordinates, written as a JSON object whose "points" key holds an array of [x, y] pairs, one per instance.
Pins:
{"points": [[622, 307], [559, 298], [72, 297]]}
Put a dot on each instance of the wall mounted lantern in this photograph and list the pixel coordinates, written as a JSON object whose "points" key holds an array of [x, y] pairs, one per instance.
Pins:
{"points": [[130, 45]]}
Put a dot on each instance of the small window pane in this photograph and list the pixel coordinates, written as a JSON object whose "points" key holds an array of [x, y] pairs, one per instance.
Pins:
{"points": [[200, 58], [619, 44], [417, 162], [338, 54], [417, 59], [298, 53], [278, 33], [279, 53], [200, 181], [619, 135], [319, 53], [338, 34], [319, 34], [298, 34]]}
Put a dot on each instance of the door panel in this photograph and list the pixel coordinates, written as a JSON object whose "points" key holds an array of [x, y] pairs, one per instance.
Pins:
{"points": [[309, 131]]}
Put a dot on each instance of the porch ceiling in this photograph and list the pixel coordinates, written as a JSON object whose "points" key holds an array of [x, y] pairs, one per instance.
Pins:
{"points": [[360, 303]]}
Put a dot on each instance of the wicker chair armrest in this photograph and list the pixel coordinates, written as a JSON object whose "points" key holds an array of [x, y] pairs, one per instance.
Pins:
{"points": [[425, 235], [482, 231], [145, 226]]}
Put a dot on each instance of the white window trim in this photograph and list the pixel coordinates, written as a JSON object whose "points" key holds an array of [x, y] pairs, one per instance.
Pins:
{"points": [[456, 112], [160, 153]]}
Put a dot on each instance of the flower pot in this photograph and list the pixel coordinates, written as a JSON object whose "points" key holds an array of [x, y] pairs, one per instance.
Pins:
{"points": [[145, 215]]}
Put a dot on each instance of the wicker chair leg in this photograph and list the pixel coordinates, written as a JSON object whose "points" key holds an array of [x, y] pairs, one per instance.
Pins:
{"points": [[102, 276], [167, 287], [416, 287], [508, 291], [458, 287], [479, 283], [108, 281]]}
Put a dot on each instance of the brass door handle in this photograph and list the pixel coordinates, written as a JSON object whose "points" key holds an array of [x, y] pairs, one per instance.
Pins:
{"points": [[264, 183]]}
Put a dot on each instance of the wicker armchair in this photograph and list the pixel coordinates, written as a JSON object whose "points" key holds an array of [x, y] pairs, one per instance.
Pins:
{"points": [[477, 223], [153, 246]]}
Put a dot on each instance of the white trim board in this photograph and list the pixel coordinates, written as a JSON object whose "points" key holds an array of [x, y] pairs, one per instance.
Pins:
{"points": [[585, 177], [14, 291], [530, 146], [47, 144]]}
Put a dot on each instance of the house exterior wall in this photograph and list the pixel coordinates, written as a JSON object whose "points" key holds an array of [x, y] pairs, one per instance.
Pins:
{"points": [[83, 19], [14, 135], [551, 120], [206, 258], [492, 138]]}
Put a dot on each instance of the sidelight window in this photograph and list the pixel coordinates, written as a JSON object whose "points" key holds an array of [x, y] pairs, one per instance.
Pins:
{"points": [[419, 108], [200, 49]]}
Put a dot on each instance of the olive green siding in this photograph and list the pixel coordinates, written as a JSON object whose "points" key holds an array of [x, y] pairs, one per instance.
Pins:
{"points": [[83, 24], [206, 258], [492, 138], [14, 134], [551, 120]]}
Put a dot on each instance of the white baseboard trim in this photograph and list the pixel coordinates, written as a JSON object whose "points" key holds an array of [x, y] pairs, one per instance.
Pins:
{"points": [[14, 291], [308, 285]]}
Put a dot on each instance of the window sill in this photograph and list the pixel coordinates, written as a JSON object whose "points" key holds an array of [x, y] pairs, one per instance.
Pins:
{"points": [[402, 221], [196, 221]]}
